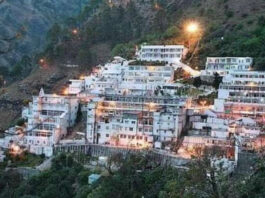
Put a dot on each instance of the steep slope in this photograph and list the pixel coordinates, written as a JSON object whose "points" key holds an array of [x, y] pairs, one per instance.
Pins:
{"points": [[228, 28], [24, 24]]}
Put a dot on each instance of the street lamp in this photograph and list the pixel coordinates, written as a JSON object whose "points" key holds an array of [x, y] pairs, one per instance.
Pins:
{"points": [[193, 31], [192, 27]]}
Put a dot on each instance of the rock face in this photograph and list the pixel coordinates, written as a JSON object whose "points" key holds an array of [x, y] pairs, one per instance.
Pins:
{"points": [[24, 24]]}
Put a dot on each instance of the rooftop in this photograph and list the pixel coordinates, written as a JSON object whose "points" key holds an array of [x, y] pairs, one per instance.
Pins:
{"points": [[162, 46]]}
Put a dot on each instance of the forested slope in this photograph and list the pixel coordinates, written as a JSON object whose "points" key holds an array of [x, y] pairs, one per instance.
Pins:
{"points": [[115, 27]]}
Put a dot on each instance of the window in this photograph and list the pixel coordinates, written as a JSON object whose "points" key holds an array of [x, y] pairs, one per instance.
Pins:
{"points": [[131, 129], [107, 135]]}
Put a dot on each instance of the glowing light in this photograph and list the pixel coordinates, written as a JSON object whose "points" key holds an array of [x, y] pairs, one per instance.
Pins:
{"points": [[82, 77], [42, 60], [252, 84], [15, 149], [151, 68], [203, 102], [75, 31], [157, 7], [112, 103], [65, 92], [192, 27], [151, 104]]}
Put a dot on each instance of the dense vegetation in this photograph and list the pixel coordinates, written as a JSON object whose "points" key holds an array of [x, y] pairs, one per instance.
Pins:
{"points": [[137, 176], [162, 21], [226, 30]]}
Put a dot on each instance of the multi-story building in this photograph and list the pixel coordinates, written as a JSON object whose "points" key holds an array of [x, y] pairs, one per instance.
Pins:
{"points": [[135, 120], [241, 94], [166, 53], [128, 106], [75, 87], [225, 65], [121, 76], [138, 78], [48, 117]]}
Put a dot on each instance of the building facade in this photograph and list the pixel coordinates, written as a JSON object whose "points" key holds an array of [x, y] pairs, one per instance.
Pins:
{"points": [[166, 53], [225, 65], [48, 117], [135, 121], [241, 94]]}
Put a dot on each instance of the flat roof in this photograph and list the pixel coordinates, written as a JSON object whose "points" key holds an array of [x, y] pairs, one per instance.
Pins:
{"points": [[162, 46], [230, 57]]}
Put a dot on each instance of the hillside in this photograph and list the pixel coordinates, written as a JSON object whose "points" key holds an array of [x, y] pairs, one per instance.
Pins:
{"points": [[24, 24], [228, 28]]}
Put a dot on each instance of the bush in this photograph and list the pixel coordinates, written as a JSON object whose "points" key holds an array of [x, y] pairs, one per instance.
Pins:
{"points": [[229, 13], [20, 122], [126, 51]]}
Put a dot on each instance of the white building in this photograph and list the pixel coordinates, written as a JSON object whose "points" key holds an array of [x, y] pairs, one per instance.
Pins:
{"points": [[166, 53], [241, 94], [124, 77], [138, 121], [75, 87], [49, 116], [128, 105], [225, 65], [139, 78]]}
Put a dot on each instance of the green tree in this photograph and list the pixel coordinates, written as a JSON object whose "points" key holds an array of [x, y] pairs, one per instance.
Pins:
{"points": [[126, 51], [217, 80]]}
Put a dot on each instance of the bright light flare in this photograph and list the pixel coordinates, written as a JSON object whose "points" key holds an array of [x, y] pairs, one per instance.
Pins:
{"points": [[193, 27]]}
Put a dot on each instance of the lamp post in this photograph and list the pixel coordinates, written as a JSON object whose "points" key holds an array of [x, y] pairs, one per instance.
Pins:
{"points": [[193, 29]]}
